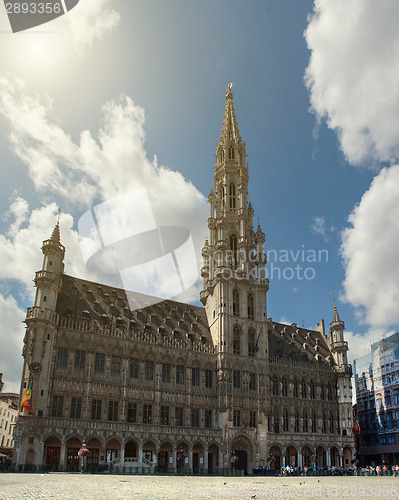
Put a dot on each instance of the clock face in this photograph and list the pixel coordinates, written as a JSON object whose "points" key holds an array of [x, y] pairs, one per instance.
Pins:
{"points": [[35, 367]]}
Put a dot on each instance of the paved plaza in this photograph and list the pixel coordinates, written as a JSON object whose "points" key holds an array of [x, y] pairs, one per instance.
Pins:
{"points": [[60, 486]]}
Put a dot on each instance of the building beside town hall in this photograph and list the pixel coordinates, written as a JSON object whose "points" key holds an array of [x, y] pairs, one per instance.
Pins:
{"points": [[377, 396], [8, 418], [191, 388]]}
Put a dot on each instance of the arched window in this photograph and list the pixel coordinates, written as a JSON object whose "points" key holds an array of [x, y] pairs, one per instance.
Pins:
{"points": [[222, 195], [311, 390], [396, 397], [276, 420], [274, 385], [233, 249], [284, 387], [232, 196], [331, 423], [303, 390], [236, 339], [322, 392], [305, 421], [231, 153], [295, 388], [296, 421], [313, 421], [329, 391], [236, 303], [222, 155], [251, 312], [323, 423], [387, 398], [285, 420], [251, 342]]}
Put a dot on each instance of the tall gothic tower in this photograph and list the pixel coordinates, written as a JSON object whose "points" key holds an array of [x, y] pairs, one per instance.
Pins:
{"points": [[234, 283]]}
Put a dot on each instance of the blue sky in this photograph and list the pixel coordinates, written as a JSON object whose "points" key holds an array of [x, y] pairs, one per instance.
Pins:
{"points": [[314, 149]]}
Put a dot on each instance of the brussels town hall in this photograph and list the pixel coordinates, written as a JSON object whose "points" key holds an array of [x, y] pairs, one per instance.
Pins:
{"points": [[175, 387]]}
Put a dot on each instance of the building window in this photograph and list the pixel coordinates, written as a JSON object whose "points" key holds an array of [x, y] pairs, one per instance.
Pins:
{"points": [[134, 368], [115, 365], [379, 402], [305, 421], [236, 303], [295, 390], [389, 421], [331, 423], [236, 418], [329, 392], [165, 373], [208, 378], [232, 196], [179, 374], [149, 370], [303, 389], [236, 340], [76, 407], [96, 409], [195, 417], [296, 421], [387, 398], [195, 377], [62, 358], [251, 311], [274, 386], [252, 419], [322, 392], [313, 422], [80, 358], [323, 423], [147, 414], [208, 419], [113, 410], [57, 406], [311, 390], [164, 415], [252, 381], [222, 198], [233, 249], [285, 420], [251, 342], [132, 413], [391, 439], [276, 420], [236, 379], [179, 416], [231, 153], [99, 363], [284, 387]]}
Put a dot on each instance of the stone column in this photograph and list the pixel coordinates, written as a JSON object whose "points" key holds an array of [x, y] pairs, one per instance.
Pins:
{"points": [[190, 458], [328, 457], [174, 452], [63, 455], [141, 454], [205, 464], [300, 459], [122, 453]]}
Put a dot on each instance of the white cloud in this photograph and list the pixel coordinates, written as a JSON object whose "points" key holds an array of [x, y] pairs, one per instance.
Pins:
{"points": [[88, 21], [319, 226], [93, 170], [11, 336], [352, 75], [359, 343], [370, 252]]}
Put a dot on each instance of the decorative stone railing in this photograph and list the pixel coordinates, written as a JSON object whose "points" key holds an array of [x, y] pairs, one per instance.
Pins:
{"points": [[37, 312]]}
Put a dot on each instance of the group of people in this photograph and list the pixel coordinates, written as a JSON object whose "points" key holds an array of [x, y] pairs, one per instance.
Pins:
{"points": [[379, 470], [290, 470], [5, 463]]}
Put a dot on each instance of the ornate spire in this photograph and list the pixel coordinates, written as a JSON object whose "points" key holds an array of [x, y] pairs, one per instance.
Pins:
{"points": [[230, 130], [336, 315], [56, 233]]}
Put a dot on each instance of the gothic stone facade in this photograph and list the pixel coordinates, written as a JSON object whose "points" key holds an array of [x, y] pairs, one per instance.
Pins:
{"points": [[187, 387]]}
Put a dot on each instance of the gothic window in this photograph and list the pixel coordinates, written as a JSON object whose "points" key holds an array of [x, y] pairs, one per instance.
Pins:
{"points": [[179, 374], [313, 421], [305, 421], [208, 419], [232, 196], [396, 397], [76, 407], [251, 342], [222, 155], [62, 357], [274, 385], [252, 419], [311, 390], [179, 416], [166, 372], [132, 412], [113, 410], [208, 379], [387, 397], [96, 409], [222, 198], [195, 417], [195, 377], [164, 415], [115, 365], [236, 303], [322, 392], [233, 249], [329, 392], [284, 387], [236, 379], [147, 414], [149, 370], [331, 423], [296, 421], [236, 339], [251, 312], [252, 381], [303, 390], [323, 423], [276, 420], [236, 418], [295, 388], [285, 420], [80, 358], [231, 153], [99, 363], [57, 406]]}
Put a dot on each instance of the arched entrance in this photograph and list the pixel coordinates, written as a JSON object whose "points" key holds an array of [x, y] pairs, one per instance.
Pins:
{"points": [[93, 458], [73, 445], [307, 457], [347, 458], [112, 452], [198, 457], [149, 449], [164, 455], [275, 458], [321, 457], [30, 460], [334, 456], [291, 457], [213, 458], [181, 456], [241, 448], [52, 451]]}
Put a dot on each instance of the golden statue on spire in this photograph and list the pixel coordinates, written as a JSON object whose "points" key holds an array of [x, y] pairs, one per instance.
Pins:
{"points": [[229, 90]]}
